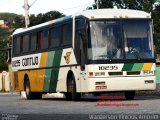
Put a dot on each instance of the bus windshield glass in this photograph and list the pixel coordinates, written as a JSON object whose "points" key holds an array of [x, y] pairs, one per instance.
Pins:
{"points": [[120, 39]]}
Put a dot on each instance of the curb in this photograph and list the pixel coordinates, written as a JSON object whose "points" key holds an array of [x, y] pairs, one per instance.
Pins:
{"points": [[9, 93]]}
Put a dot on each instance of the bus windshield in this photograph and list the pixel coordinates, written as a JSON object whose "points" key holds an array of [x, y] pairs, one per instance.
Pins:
{"points": [[120, 39]]}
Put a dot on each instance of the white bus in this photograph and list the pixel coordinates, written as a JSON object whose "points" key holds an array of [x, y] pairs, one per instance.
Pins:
{"points": [[94, 51]]}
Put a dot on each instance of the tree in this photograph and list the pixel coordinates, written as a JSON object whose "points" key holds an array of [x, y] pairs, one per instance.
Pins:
{"points": [[3, 56], [12, 22], [33, 20], [145, 5], [4, 40], [156, 18], [18, 22], [104, 4], [52, 15], [41, 18]]}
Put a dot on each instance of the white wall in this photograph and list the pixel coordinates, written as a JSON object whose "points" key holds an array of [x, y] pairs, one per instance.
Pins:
{"points": [[7, 82]]}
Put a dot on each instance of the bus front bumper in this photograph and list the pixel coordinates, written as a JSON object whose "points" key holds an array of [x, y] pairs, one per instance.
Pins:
{"points": [[121, 84]]}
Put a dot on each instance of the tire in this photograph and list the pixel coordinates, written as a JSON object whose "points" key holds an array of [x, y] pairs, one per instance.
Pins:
{"points": [[31, 95], [68, 96], [37, 95], [71, 90], [129, 95]]}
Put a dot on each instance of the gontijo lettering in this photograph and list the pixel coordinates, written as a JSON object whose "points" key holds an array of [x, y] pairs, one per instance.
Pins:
{"points": [[16, 63], [28, 61], [31, 61]]}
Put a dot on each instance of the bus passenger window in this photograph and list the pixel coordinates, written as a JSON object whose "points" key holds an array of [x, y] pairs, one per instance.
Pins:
{"points": [[39, 41], [55, 35], [14, 46], [17, 45], [45, 39], [67, 34], [25, 43], [33, 42]]}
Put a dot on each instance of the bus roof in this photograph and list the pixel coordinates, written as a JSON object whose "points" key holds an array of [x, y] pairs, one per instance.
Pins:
{"points": [[113, 13], [94, 14]]}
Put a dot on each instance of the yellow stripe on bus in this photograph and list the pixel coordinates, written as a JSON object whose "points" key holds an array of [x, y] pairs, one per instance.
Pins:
{"points": [[44, 58], [147, 66], [37, 80]]}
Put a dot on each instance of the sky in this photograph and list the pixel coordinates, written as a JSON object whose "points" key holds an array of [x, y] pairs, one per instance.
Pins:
{"points": [[67, 7]]}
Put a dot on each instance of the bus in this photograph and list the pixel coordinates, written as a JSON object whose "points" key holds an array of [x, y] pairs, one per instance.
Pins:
{"points": [[90, 52]]}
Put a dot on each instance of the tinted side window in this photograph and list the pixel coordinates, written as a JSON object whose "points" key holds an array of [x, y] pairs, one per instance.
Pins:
{"points": [[55, 35], [67, 34], [45, 39], [33, 43], [17, 46], [39, 40], [14, 45], [25, 45]]}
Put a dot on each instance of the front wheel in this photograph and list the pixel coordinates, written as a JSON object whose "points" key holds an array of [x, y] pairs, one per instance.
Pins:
{"points": [[129, 95], [71, 90]]}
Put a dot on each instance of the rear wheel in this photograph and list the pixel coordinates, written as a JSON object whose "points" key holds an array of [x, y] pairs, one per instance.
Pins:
{"points": [[71, 90], [129, 95], [38, 95], [31, 95]]}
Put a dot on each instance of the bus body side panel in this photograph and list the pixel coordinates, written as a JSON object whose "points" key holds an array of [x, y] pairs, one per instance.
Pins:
{"points": [[32, 66], [48, 73], [52, 71], [36, 79], [15, 84], [62, 79], [68, 63]]}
